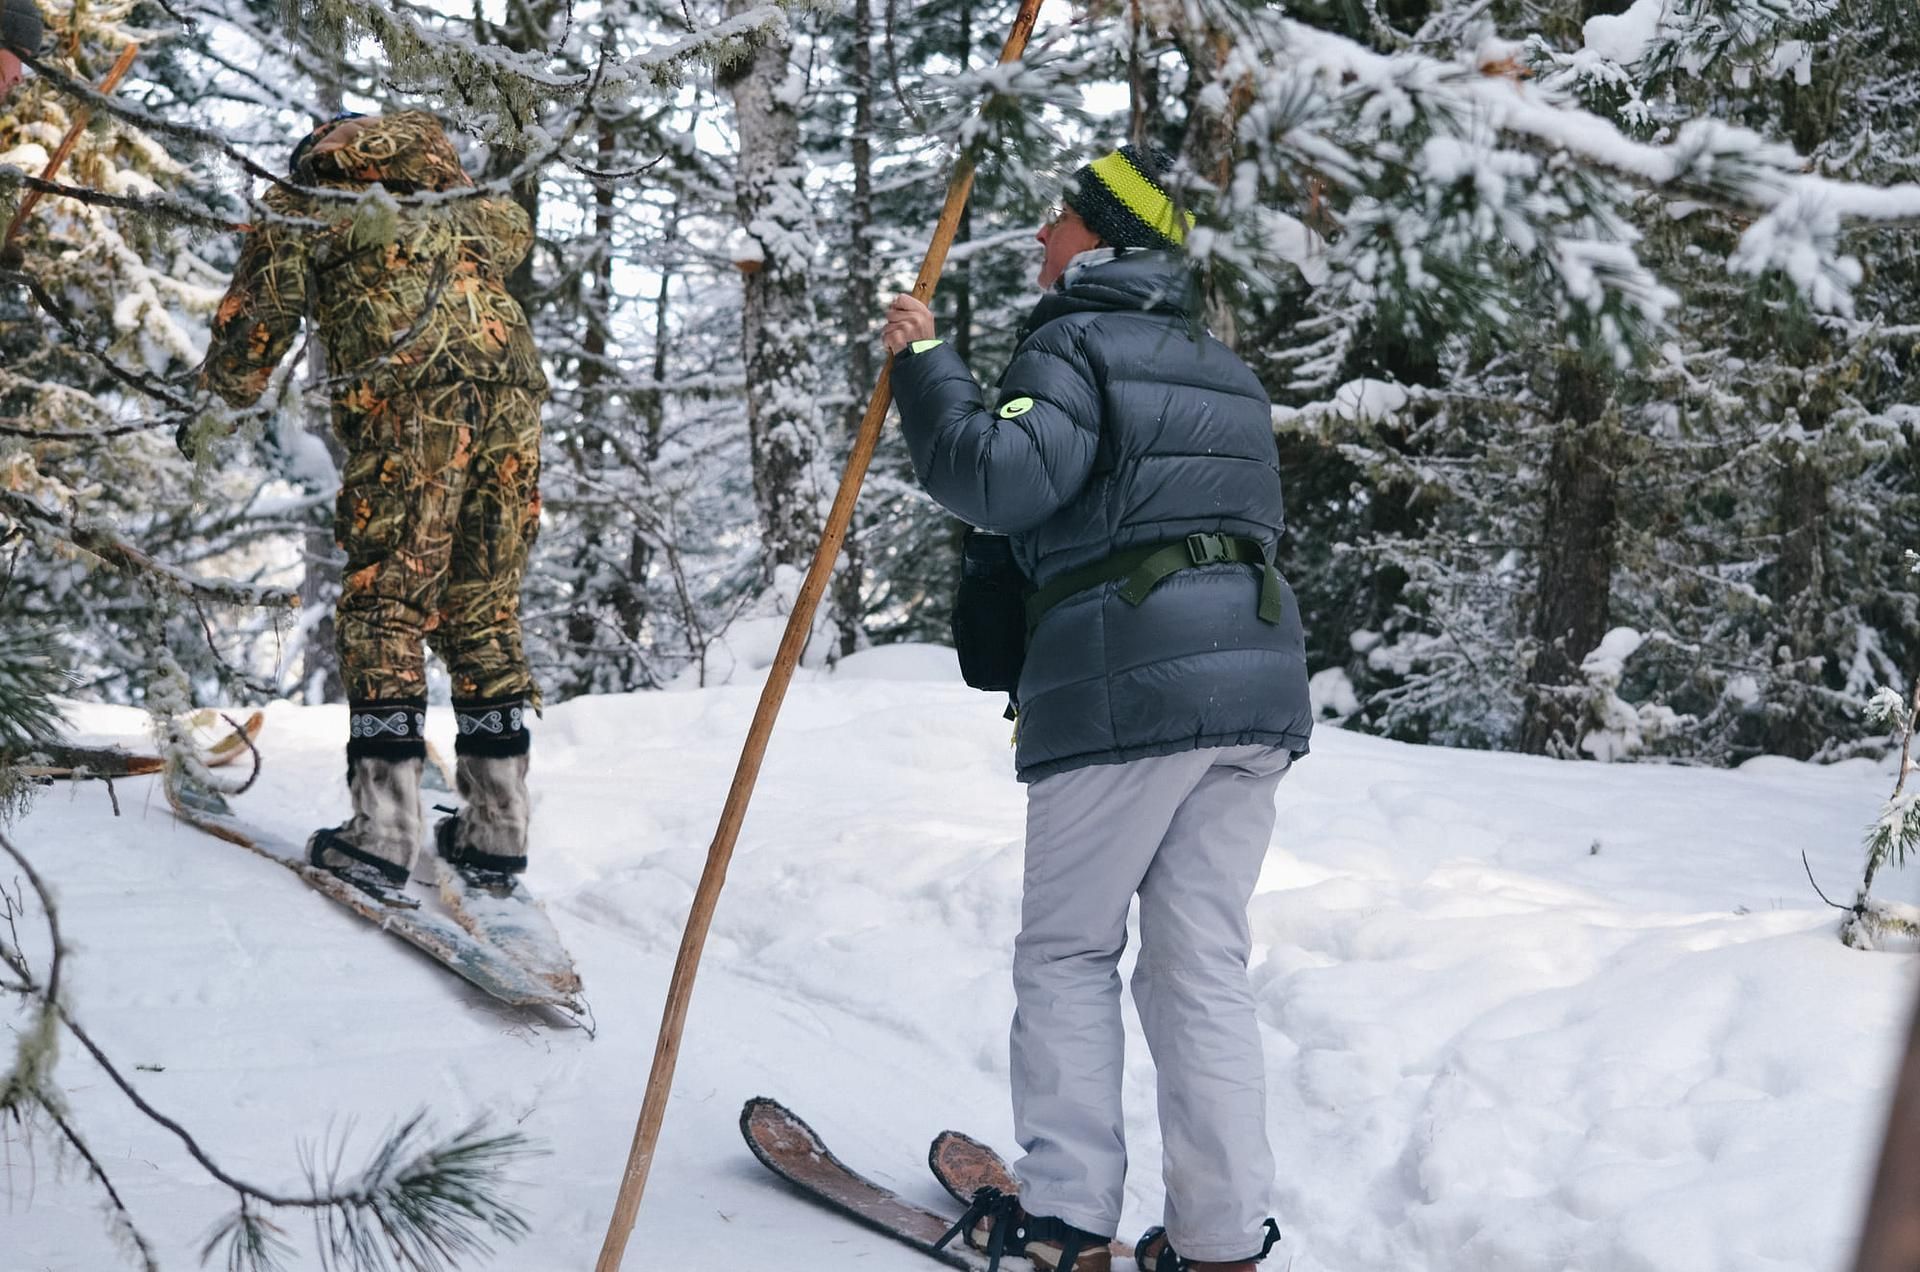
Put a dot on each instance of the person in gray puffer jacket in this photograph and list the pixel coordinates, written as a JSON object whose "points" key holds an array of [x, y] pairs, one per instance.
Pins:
{"points": [[1130, 457]]}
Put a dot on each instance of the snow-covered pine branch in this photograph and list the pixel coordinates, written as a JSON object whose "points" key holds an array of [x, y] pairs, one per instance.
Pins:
{"points": [[503, 89], [1894, 834], [1452, 182]]}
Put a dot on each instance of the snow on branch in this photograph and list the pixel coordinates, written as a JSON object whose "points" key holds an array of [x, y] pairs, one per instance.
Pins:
{"points": [[1747, 34], [506, 85], [1452, 174], [723, 41], [79, 535], [1708, 158], [164, 204]]}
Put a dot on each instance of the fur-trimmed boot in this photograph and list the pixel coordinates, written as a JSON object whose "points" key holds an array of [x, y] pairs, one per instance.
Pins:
{"points": [[489, 835], [1156, 1254], [995, 1225], [376, 845], [487, 839]]}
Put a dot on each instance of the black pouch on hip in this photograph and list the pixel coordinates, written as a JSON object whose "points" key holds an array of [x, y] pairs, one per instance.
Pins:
{"points": [[990, 613]]}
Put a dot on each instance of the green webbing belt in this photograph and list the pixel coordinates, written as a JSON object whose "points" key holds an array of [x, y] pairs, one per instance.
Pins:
{"points": [[1145, 566]]}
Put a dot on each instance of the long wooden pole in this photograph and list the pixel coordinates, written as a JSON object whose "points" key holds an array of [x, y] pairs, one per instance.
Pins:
{"points": [[121, 66], [799, 625], [1890, 1234]]}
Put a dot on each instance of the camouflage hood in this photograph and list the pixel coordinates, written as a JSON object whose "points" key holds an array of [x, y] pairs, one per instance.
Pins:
{"points": [[405, 297], [404, 151]]}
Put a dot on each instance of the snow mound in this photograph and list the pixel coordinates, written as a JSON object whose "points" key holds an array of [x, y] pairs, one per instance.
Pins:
{"points": [[1625, 37], [904, 662], [1369, 400]]}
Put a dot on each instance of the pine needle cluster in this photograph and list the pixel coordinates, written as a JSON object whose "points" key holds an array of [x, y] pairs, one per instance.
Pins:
{"points": [[29, 679], [417, 1205]]}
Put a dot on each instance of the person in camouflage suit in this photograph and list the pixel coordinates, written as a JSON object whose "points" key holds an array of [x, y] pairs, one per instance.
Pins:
{"points": [[436, 390]]}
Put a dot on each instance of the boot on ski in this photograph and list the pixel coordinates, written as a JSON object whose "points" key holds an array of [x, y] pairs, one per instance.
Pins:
{"points": [[995, 1225], [486, 841], [374, 849], [1155, 1253]]}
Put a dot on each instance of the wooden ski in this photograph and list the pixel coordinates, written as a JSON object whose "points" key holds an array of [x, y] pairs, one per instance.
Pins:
{"points": [[514, 922], [790, 1149], [435, 935]]}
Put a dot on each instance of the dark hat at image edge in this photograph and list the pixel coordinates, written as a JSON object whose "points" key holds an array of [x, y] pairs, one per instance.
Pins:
{"points": [[21, 29]]}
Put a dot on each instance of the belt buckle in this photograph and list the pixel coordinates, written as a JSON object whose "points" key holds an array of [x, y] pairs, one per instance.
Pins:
{"points": [[1206, 548]]}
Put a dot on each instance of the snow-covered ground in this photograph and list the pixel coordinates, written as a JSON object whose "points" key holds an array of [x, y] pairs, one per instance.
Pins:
{"points": [[1520, 1014]]}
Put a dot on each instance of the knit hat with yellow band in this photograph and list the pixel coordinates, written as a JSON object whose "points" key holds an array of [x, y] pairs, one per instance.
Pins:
{"points": [[1121, 199]]}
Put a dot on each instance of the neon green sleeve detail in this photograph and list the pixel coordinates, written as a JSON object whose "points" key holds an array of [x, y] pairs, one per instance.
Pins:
{"points": [[921, 346]]}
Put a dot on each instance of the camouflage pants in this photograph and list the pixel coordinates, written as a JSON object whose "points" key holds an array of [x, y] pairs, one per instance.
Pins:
{"points": [[439, 503]]}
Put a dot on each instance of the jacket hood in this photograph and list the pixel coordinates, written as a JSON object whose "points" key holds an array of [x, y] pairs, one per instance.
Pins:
{"points": [[406, 150], [1110, 279]]}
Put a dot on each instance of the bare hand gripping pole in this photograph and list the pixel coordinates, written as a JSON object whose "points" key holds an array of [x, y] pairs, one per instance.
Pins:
{"points": [[799, 624]]}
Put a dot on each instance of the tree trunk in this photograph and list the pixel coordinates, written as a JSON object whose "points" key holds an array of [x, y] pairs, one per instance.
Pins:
{"points": [[861, 302], [654, 402], [1143, 82], [1798, 591], [778, 324], [1570, 605], [525, 29], [320, 583], [640, 549], [1211, 123], [862, 308], [627, 593]]}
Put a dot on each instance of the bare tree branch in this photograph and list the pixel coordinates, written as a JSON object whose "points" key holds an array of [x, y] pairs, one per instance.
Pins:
{"points": [[111, 548]]}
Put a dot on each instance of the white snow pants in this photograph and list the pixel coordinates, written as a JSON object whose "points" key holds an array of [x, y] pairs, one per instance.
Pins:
{"points": [[1187, 832]]}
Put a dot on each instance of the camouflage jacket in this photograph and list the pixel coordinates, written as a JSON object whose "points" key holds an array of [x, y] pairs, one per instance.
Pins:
{"points": [[402, 298]]}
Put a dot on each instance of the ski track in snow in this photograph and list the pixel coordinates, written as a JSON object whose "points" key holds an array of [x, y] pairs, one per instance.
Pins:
{"points": [[1490, 1045]]}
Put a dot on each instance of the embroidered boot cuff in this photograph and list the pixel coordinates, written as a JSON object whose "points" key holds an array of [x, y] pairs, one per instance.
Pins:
{"points": [[495, 726], [393, 729]]}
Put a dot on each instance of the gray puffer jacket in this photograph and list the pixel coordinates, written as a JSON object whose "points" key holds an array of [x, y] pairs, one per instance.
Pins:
{"points": [[1114, 427]]}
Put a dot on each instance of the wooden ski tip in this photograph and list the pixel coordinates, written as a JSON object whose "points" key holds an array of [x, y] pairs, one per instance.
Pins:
{"points": [[771, 1127], [230, 745], [963, 1164], [790, 1149], [65, 760]]}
